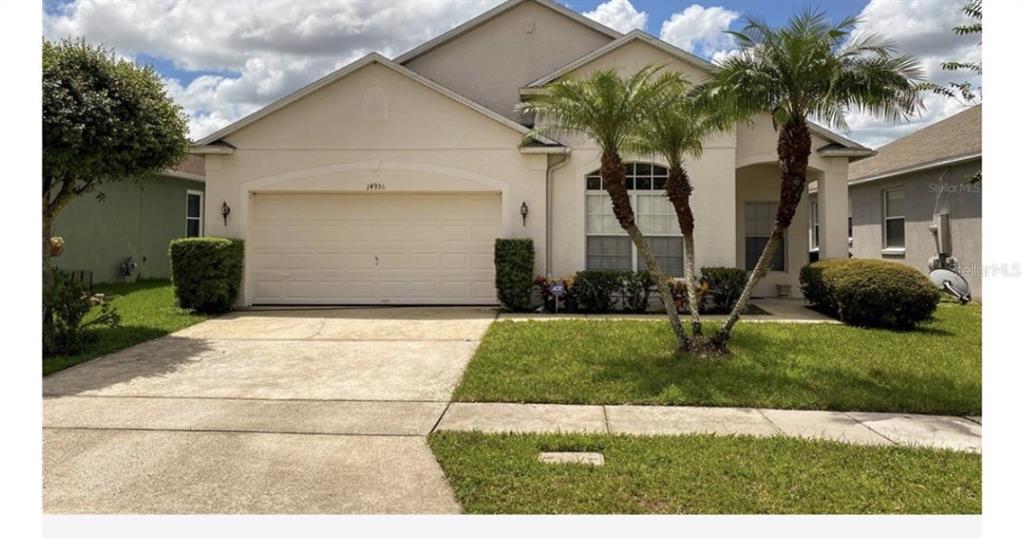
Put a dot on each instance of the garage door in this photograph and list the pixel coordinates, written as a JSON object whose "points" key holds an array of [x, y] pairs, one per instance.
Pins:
{"points": [[374, 248]]}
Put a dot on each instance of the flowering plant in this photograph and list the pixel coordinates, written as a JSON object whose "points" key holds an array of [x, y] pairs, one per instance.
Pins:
{"points": [[56, 245], [548, 288], [680, 296]]}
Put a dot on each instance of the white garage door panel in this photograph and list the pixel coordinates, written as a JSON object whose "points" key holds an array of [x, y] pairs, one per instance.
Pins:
{"points": [[374, 248]]}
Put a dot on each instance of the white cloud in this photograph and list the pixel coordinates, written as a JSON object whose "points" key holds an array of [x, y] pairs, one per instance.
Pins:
{"points": [[923, 29], [719, 57], [700, 30], [620, 15], [250, 54]]}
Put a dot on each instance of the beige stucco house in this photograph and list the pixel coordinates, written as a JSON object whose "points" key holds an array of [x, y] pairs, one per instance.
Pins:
{"points": [[387, 181]]}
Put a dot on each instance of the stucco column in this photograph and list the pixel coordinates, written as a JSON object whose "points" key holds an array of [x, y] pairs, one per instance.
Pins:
{"points": [[714, 208], [833, 210]]}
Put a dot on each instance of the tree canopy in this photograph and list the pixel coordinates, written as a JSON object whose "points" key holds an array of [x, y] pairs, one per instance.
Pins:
{"points": [[677, 127], [604, 106], [104, 119], [813, 68]]}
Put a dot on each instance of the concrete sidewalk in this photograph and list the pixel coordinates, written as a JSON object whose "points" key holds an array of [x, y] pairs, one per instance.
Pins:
{"points": [[866, 428]]}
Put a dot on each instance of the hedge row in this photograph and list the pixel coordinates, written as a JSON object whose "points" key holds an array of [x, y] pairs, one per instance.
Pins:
{"points": [[513, 272], [873, 293], [600, 291], [206, 272]]}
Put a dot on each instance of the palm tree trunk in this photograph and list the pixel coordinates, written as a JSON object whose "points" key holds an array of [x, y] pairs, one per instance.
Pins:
{"points": [[662, 282], [678, 189], [613, 174], [794, 149], [690, 277], [722, 335]]}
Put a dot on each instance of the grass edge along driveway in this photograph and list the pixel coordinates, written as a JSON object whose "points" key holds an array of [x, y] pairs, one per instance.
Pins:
{"points": [[935, 369], [699, 474], [148, 311]]}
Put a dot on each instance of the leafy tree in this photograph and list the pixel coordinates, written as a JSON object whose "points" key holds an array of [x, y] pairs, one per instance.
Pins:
{"points": [[609, 109], [104, 119], [963, 91], [675, 129], [807, 68]]}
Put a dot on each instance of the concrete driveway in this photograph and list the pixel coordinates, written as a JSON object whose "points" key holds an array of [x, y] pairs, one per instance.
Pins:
{"points": [[304, 411]]}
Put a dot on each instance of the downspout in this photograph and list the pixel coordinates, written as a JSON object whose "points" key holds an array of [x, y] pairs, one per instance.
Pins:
{"points": [[553, 164]]}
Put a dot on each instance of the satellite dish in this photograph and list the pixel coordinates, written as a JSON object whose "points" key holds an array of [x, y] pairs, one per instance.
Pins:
{"points": [[952, 282]]}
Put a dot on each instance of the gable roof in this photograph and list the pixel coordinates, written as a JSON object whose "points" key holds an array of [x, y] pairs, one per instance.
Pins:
{"points": [[952, 140], [635, 35], [372, 58], [213, 144], [493, 13], [192, 167], [841, 146]]}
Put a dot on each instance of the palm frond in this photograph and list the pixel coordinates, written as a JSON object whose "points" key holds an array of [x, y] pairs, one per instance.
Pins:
{"points": [[604, 106], [812, 67]]}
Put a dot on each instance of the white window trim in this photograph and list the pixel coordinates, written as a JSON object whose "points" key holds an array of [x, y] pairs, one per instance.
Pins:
{"points": [[622, 233], [785, 239], [886, 250], [812, 241], [202, 203], [633, 197], [849, 221], [815, 245]]}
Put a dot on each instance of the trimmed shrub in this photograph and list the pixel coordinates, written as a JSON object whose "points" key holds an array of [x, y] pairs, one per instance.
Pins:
{"points": [[207, 272], [724, 287], [513, 272], [813, 286], [636, 291], [873, 293], [595, 290]]}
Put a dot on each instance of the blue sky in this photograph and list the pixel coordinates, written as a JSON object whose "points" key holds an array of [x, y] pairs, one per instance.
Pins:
{"points": [[223, 60]]}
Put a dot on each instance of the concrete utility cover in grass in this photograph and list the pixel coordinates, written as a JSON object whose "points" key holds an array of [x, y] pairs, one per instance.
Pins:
{"points": [[572, 457]]}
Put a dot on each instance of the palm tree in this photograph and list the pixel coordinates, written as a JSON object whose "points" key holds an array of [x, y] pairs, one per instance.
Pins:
{"points": [[808, 68], [675, 129], [609, 108]]}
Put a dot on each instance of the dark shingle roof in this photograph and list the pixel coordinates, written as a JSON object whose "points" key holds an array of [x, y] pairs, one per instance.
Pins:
{"points": [[192, 164], [956, 136]]}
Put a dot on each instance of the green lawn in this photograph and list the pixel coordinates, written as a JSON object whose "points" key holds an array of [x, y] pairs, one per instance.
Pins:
{"points": [[935, 369], [147, 311], [704, 475]]}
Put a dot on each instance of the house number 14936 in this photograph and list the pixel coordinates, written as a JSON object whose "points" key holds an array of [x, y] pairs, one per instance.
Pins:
{"points": [[375, 186]]}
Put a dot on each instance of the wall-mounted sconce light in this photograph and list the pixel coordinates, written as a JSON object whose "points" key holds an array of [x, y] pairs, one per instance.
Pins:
{"points": [[524, 210], [225, 210]]}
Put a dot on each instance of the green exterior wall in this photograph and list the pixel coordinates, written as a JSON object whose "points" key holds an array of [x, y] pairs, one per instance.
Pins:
{"points": [[136, 218]]}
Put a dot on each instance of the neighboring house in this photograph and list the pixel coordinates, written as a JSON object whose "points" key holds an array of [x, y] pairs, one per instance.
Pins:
{"points": [[136, 220], [895, 195], [387, 181]]}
